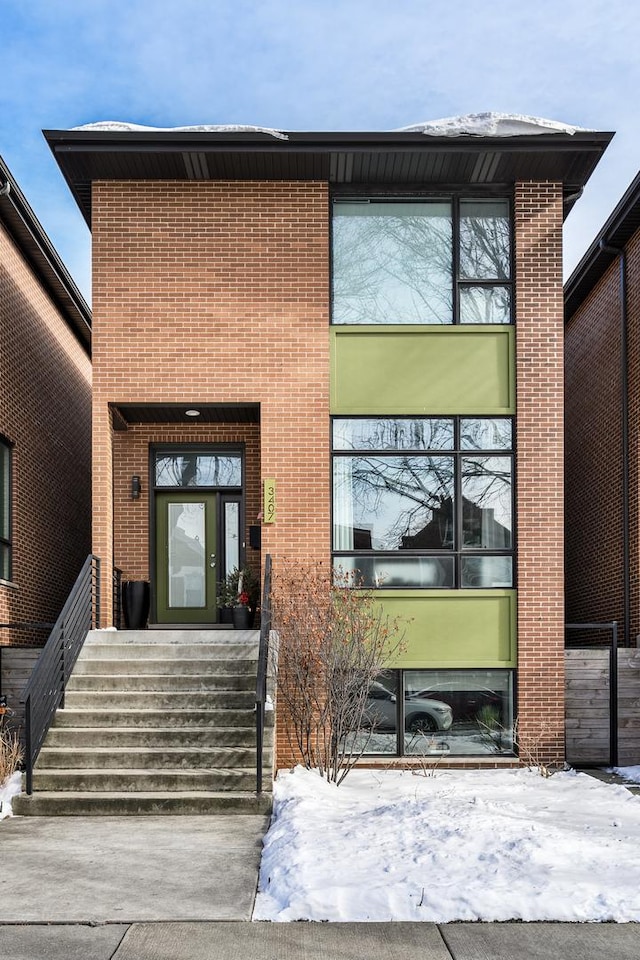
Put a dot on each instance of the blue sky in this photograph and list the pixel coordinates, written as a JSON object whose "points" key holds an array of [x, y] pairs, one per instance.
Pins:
{"points": [[312, 65]]}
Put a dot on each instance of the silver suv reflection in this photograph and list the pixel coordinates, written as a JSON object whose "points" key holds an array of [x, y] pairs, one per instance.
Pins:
{"points": [[421, 714]]}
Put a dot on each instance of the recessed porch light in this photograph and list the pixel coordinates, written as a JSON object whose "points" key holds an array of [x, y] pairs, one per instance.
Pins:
{"points": [[192, 413]]}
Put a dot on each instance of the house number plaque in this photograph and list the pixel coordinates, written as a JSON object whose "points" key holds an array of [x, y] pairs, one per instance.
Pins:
{"points": [[269, 502]]}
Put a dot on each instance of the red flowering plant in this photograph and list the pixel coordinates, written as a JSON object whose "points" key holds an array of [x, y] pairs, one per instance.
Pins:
{"points": [[243, 598]]}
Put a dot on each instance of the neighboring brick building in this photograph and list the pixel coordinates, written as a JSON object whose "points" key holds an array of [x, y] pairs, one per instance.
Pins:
{"points": [[45, 423], [374, 322], [602, 314]]}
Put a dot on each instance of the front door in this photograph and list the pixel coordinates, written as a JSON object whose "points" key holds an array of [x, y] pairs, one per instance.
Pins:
{"points": [[186, 562]]}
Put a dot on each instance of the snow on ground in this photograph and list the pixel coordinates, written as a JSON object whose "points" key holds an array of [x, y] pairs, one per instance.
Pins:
{"points": [[455, 845], [9, 789], [630, 774]]}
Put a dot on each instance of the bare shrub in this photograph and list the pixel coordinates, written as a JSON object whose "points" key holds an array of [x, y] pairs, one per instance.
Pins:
{"points": [[332, 641], [11, 754]]}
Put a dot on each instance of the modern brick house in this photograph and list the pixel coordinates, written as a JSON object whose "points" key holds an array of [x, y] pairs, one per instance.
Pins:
{"points": [[602, 313], [45, 421], [373, 323]]}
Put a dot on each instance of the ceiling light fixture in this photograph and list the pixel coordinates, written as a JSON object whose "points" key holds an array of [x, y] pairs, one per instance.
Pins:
{"points": [[192, 413]]}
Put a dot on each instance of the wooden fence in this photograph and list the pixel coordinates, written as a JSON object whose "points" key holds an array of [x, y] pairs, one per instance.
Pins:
{"points": [[587, 710], [16, 664]]}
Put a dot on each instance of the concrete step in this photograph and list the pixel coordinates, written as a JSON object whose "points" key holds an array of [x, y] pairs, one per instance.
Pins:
{"points": [[159, 700], [140, 736], [174, 667], [220, 636], [154, 718], [141, 680], [143, 757], [168, 651], [108, 804], [133, 780]]}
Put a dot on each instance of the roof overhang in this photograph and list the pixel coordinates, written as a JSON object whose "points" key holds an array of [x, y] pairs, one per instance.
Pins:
{"points": [[124, 415], [28, 234], [348, 160], [616, 232]]}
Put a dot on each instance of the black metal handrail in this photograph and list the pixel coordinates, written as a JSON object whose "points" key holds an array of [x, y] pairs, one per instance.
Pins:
{"points": [[44, 691], [612, 628], [263, 663], [117, 597]]}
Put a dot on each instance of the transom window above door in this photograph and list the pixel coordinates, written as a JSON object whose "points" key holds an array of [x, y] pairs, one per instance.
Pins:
{"points": [[190, 468], [421, 261]]}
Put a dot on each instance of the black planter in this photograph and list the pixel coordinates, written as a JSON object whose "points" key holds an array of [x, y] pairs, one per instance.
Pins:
{"points": [[135, 604], [226, 615], [241, 617]]}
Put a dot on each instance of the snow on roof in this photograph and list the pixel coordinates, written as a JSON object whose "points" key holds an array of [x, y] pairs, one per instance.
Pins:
{"points": [[489, 125], [471, 125], [119, 126]]}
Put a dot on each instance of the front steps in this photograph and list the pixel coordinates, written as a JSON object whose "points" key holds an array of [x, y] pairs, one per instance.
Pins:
{"points": [[155, 722]]}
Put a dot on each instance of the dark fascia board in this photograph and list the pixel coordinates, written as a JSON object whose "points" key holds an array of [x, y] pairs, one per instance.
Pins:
{"points": [[92, 149], [616, 232], [30, 238]]}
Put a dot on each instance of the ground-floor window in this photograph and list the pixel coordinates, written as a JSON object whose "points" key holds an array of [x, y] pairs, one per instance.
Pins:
{"points": [[5, 510], [461, 712]]}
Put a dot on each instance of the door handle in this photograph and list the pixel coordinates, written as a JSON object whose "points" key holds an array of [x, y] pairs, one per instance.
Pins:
{"points": [[212, 560]]}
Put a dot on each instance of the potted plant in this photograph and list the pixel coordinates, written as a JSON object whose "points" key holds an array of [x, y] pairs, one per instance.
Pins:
{"points": [[239, 593]]}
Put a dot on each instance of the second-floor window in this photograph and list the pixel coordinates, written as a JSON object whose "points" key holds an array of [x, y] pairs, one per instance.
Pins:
{"points": [[423, 501], [420, 261]]}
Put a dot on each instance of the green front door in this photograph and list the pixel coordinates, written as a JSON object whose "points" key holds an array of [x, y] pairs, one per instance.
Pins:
{"points": [[186, 563]]}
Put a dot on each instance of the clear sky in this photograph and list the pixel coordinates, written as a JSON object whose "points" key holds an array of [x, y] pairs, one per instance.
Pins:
{"points": [[312, 65]]}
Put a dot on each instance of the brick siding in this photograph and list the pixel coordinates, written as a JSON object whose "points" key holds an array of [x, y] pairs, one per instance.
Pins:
{"points": [[594, 457], [539, 465], [45, 413]]}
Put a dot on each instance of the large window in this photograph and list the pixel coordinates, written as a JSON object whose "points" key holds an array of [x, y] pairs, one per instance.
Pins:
{"points": [[439, 713], [421, 261], [5, 511], [423, 502]]}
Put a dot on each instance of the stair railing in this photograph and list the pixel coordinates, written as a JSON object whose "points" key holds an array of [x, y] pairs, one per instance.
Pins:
{"points": [[45, 689], [263, 664]]}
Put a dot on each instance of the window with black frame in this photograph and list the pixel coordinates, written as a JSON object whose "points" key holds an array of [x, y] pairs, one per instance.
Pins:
{"points": [[423, 501], [438, 713], [421, 261], [5, 510]]}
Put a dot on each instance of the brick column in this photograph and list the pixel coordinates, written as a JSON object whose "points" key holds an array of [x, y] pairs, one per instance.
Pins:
{"points": [[539, 484]]}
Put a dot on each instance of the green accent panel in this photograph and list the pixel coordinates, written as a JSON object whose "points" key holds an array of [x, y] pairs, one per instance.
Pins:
{"points": [[454, 628], [436, 370]]}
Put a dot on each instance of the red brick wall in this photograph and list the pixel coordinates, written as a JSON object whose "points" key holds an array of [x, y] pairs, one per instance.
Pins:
{"points": [[539, 459], [45, 412], [593, 432], [595, 547], [216, 292]]}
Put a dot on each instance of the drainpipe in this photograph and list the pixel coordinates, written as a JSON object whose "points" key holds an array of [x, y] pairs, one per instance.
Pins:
{"points": [[624, 372]]}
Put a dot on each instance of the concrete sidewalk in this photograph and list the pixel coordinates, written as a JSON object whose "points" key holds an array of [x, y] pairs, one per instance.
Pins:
{"points": [[128, 869], [322, 941]]}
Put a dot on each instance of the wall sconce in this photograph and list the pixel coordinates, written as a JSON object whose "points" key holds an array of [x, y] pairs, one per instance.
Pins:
{"points": [[136, 488]]}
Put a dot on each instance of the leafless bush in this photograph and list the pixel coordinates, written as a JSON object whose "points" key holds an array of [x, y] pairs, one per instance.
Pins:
{"points": [[332, 642], [11, 754]]}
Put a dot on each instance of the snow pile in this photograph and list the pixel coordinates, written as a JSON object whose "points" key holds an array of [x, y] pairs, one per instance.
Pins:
{"points": [[472, 845], [489, 125], [11, 788], [630, 774], [118, 126]]}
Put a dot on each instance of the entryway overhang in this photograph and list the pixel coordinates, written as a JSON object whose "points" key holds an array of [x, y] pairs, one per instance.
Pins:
{"points": [[124, 415]]}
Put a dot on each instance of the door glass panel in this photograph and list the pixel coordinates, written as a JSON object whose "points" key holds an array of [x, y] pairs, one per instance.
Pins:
{"points": [[231, 537], [186, 527], [198, 470]]}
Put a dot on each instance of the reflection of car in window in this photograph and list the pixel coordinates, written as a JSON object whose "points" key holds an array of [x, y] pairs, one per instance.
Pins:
{"points": [[464, 702], [420, 714]]}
